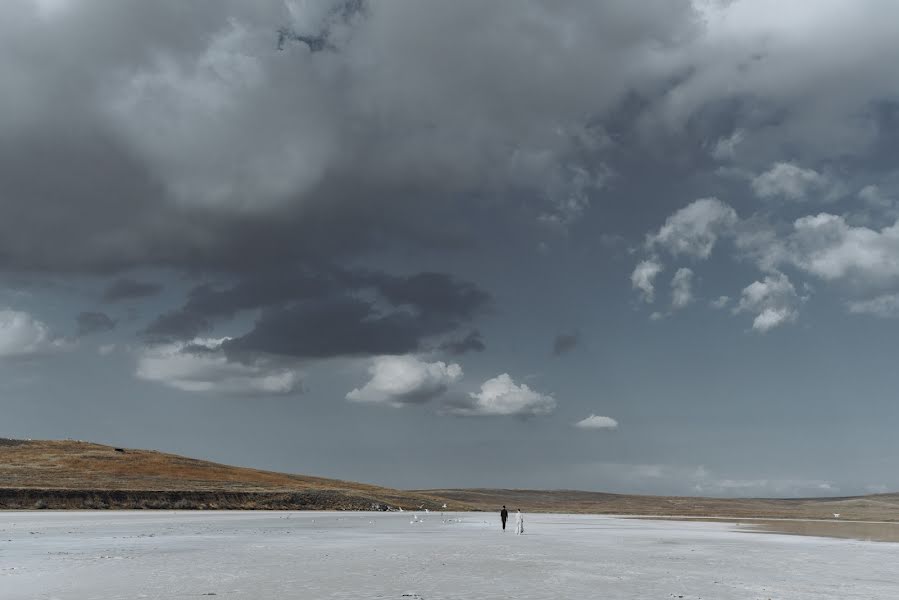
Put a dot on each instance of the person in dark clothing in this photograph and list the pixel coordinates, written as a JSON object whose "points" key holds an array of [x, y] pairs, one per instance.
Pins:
{"points": [[503, 515]]}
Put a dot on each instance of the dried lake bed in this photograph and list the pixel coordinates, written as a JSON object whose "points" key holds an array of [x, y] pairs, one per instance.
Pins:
{"points": [[168, 555]]}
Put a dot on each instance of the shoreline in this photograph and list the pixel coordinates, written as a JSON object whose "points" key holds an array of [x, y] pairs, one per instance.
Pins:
{"points": [[852, 529]]}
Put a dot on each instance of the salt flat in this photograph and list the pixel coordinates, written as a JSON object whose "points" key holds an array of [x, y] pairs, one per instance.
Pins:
{"points": [[170, 555]]}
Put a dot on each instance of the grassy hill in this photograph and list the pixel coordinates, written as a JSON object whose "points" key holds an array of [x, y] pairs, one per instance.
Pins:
{"points": [[71, 474]]}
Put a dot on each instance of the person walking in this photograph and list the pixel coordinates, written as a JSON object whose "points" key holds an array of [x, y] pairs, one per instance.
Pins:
{"points": [[519, 523], [504, 516]]}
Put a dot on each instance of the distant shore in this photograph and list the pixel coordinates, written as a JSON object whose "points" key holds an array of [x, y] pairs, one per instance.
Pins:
{"points": [[869, 531]]}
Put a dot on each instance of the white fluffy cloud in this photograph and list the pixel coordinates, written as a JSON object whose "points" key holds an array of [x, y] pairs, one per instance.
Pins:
{"points": [[682, 288], [201, 366], [23, 335], [791, 182], [694, 229], [642, 278], [773, 301], [825, 245], [401, 380], [597, 422], [501, 396]]}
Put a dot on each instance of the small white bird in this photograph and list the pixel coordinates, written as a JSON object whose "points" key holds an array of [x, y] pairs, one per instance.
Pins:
{"points": [[444, 505], [836, 515]]}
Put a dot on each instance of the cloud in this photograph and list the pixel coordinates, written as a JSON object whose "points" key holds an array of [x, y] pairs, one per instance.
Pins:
{"points": [[94, 322], [726, 147], [773, 301], [402, 380], [202, 366], [642, 279], [682, 288], [873, 196], [597, 422], [568, 191], [501, 396], [565, 343], [325, 312], [470, 343], [791, 182], [234, 155], [106, 349], [826, 246], [693, 230], [130, 289], [720, 302], [23, 335], [885, 306], [809, 101], [228, 148]]}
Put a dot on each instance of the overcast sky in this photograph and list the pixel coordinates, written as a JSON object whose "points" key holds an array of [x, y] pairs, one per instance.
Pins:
{"points": [[620, 246]]}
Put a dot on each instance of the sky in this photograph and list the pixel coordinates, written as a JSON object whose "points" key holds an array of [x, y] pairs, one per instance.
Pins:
{"points": [[644, 247]]}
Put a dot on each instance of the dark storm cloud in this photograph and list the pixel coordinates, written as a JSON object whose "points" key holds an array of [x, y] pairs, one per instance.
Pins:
{"points": [[433, 292], [179, 136], [470, 343], [130, 289], [207, 303], [330, 312], [565, 343], [94, 322], [137, 134], [333, 327]]}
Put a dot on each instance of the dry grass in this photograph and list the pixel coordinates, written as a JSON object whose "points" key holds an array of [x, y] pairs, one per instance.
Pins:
{"points": [[55, 470]]}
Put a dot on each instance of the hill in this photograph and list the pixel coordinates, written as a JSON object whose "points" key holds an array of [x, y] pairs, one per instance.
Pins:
{"points": [[73, 474]]}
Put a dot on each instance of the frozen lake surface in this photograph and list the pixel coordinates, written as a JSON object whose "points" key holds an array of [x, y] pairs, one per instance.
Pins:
{"points": [[167, 555]]}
